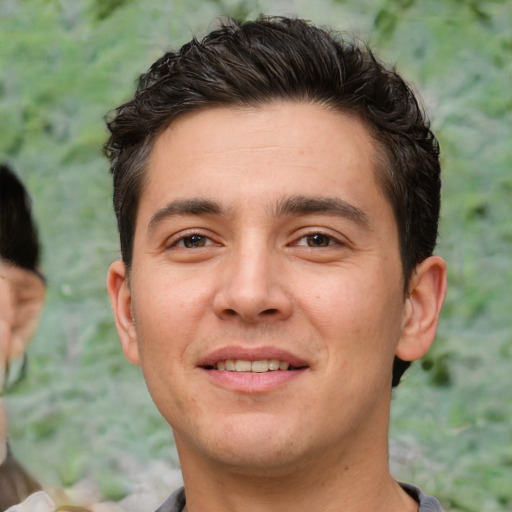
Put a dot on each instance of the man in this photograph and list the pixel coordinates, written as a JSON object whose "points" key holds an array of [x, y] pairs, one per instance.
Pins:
{"points": [[277, 195]]}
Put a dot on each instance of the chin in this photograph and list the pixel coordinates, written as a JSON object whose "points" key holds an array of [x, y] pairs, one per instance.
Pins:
{"points": [[253, 445], [260, 461]]}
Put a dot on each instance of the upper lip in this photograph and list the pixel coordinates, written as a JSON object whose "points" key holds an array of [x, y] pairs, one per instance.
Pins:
{"points": [[251, 354]]}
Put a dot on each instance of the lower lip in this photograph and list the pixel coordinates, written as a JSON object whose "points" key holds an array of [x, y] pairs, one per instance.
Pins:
{"points": [[252, 382]]}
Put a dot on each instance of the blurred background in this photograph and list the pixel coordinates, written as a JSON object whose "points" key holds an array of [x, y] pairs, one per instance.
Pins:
{"points": [[83, 411]]}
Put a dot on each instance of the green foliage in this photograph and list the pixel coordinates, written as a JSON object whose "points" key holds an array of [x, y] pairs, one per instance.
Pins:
{"points": [[104, 8], [83, 409], [238, 9]]}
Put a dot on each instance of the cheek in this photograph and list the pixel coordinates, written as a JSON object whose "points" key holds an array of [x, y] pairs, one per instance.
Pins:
{"points": [[168, 316], [336, 302], [358, 316]]}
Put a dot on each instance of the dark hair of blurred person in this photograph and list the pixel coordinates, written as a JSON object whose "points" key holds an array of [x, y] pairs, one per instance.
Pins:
{"points": [[19, 242]]}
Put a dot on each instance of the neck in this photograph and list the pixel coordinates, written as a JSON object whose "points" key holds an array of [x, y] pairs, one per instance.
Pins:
{"points": [[337, 478]]}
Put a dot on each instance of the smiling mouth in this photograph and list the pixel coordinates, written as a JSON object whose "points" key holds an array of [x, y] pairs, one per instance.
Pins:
{"points": [[259, 366]]}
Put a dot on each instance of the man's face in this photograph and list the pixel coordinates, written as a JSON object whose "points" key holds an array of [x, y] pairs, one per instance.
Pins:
{"points": [[262, 239]]}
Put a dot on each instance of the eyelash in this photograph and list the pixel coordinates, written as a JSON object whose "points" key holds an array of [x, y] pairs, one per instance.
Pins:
{"points": [[181, 241], [331, 240]]}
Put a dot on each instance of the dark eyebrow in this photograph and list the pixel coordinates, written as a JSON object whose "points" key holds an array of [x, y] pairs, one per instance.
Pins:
{"points": [[304, 205], [193, 206]]}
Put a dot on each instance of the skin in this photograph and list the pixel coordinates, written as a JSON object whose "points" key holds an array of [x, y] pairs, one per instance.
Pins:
{"points": [[22, 294], [296, 250]]}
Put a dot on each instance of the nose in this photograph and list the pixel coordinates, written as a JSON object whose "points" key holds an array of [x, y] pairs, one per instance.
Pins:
{"points": [[251, 287]]}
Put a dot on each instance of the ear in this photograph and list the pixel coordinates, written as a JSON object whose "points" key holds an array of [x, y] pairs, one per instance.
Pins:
{"points": [[23, 293], [425, 297], [121, 298]]}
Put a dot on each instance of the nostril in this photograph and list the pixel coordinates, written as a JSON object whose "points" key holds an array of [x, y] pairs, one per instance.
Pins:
{"points": [[269, 312]]}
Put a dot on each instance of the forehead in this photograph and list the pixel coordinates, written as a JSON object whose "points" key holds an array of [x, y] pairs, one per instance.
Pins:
{"points": [[261, 154]]}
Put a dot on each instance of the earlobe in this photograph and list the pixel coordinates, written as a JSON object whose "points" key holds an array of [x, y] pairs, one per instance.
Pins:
{"points": [[120, 297], [427, 290]]}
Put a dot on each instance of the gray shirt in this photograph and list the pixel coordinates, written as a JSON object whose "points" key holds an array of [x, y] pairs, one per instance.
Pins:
{"points": [[176, 502]]}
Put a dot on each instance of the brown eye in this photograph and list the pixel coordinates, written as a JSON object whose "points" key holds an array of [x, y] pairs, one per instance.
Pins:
{"points": [[194, 241], [318, 240]]}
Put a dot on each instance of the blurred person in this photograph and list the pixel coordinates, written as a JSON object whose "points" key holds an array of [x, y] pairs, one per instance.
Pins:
{"points": [[277, 192], [22, 292]]}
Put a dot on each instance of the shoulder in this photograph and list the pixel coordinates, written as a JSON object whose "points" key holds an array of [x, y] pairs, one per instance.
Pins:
{"points": [[427, 503], [37, 502], [41, 501]]}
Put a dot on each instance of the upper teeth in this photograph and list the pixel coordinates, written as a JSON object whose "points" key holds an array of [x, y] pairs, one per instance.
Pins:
{"points": [[243, 365]]}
